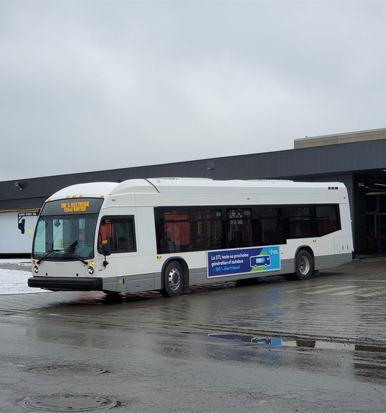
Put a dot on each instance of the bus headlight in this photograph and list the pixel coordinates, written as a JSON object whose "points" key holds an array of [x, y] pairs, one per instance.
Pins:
{"points": [[90, 270], [36, 269]]}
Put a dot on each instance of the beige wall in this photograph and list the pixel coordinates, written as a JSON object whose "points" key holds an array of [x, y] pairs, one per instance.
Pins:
{"points": [[361, 136]]}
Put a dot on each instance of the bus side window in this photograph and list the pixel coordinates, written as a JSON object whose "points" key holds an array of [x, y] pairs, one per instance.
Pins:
{"points": [[272, 228], [206, 229], [239, 227], [327, 219], [119, 233], [300, 223], [105, 232], [174, 231]]}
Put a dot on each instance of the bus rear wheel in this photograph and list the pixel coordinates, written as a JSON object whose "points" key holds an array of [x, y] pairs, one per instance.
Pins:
{"points": [[304, 265], [173, 278]]}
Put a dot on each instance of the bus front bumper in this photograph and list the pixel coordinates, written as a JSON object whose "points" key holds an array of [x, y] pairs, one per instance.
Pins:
{"points": [[66, 283]]}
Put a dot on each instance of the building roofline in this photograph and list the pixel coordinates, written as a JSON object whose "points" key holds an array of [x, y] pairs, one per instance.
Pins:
{"points": [[340, 134]]}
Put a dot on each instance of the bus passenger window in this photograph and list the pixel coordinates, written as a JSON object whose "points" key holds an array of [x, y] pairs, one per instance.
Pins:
{"points": [[119, 233], [207, 230], [272, 229], [326, 219], [167, 243], [300, 222], [174, 231], [239, 228]]}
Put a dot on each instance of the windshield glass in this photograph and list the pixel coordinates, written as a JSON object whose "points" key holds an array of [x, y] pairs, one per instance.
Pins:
{"points": [[67, 236], [66, 230]]}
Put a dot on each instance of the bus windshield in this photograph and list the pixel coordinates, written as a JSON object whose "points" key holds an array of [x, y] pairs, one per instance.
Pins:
{"points": [[66, 230]]}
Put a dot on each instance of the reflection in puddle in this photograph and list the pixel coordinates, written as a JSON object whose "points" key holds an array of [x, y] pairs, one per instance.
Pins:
{"points": [[273, 341], [304, 343]]}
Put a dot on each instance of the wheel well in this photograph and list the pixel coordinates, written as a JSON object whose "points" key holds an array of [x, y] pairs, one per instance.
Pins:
{"points": [[309, 250], [184, 267]]}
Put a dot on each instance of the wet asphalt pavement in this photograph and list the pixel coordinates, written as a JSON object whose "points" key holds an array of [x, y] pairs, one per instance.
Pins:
{"points": [[311, 346]]}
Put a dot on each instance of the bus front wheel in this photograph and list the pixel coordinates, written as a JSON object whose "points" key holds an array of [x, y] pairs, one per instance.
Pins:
{"points": [[304, 265], [173, 278]]}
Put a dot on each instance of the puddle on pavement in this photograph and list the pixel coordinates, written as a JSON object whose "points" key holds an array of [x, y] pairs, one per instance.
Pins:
{"points": [[302, 343], [69, 403], [67, 369]]}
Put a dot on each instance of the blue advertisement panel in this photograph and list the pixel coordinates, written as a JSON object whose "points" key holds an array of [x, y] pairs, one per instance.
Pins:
{"points": [[245, 260]]}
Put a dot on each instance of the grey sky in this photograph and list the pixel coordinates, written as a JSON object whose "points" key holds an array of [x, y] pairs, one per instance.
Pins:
{"points": [[90, 85]]}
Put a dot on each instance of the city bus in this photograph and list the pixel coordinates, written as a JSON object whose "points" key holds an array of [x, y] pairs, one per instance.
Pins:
{"points": [[167, 234]]}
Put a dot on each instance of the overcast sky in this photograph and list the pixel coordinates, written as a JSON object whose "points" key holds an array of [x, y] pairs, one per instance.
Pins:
{"points": [[93, 85]]}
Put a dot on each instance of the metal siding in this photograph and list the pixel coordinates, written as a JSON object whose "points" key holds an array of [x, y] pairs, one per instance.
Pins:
{"points": [[272, 168], [264, 171], [318, 163], [336, 164], [345, 158], [307, 162], [285, 162], [312, 156], [362, 159], [332, 161], [19, 204], [355, 158], [379, 155]]}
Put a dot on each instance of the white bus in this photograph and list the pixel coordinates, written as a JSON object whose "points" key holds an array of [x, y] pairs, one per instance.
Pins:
{"points": [[167, 234]]}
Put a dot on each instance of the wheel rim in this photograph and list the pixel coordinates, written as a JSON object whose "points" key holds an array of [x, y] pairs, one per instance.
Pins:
{"points": [[304, 265], [174, 279]]}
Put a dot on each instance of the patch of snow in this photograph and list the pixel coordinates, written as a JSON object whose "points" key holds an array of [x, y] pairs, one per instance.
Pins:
{"points": [[16, 261], [16, 282]]}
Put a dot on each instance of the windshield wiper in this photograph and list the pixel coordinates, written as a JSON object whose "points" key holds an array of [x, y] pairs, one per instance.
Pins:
{"points": [[48, 253], [80, 259]]}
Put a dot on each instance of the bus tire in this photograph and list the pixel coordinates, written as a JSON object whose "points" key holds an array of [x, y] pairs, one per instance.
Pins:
{"points": [[304, 265], [112, 295], [173, 278]]}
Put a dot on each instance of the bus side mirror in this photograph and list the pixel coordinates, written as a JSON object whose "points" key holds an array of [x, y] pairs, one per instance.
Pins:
{"points": [[106, 251], [106, 248], [21, 226]]}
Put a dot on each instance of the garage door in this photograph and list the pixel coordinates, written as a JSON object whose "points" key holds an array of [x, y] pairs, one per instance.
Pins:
{"points": [[12, 241]]}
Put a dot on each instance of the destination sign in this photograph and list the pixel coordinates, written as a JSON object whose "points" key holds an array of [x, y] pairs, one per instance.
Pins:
{"points": [[75, 206]]}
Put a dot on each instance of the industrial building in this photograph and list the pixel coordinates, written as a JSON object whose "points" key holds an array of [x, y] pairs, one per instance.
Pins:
{"points": [[358, 159]]}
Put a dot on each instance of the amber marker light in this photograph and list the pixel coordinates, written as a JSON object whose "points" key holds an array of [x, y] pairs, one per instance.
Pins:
{"points": [[92, 263], [102, 196], [314, 240], [159, 257], [113, 200], [34, 262]]}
